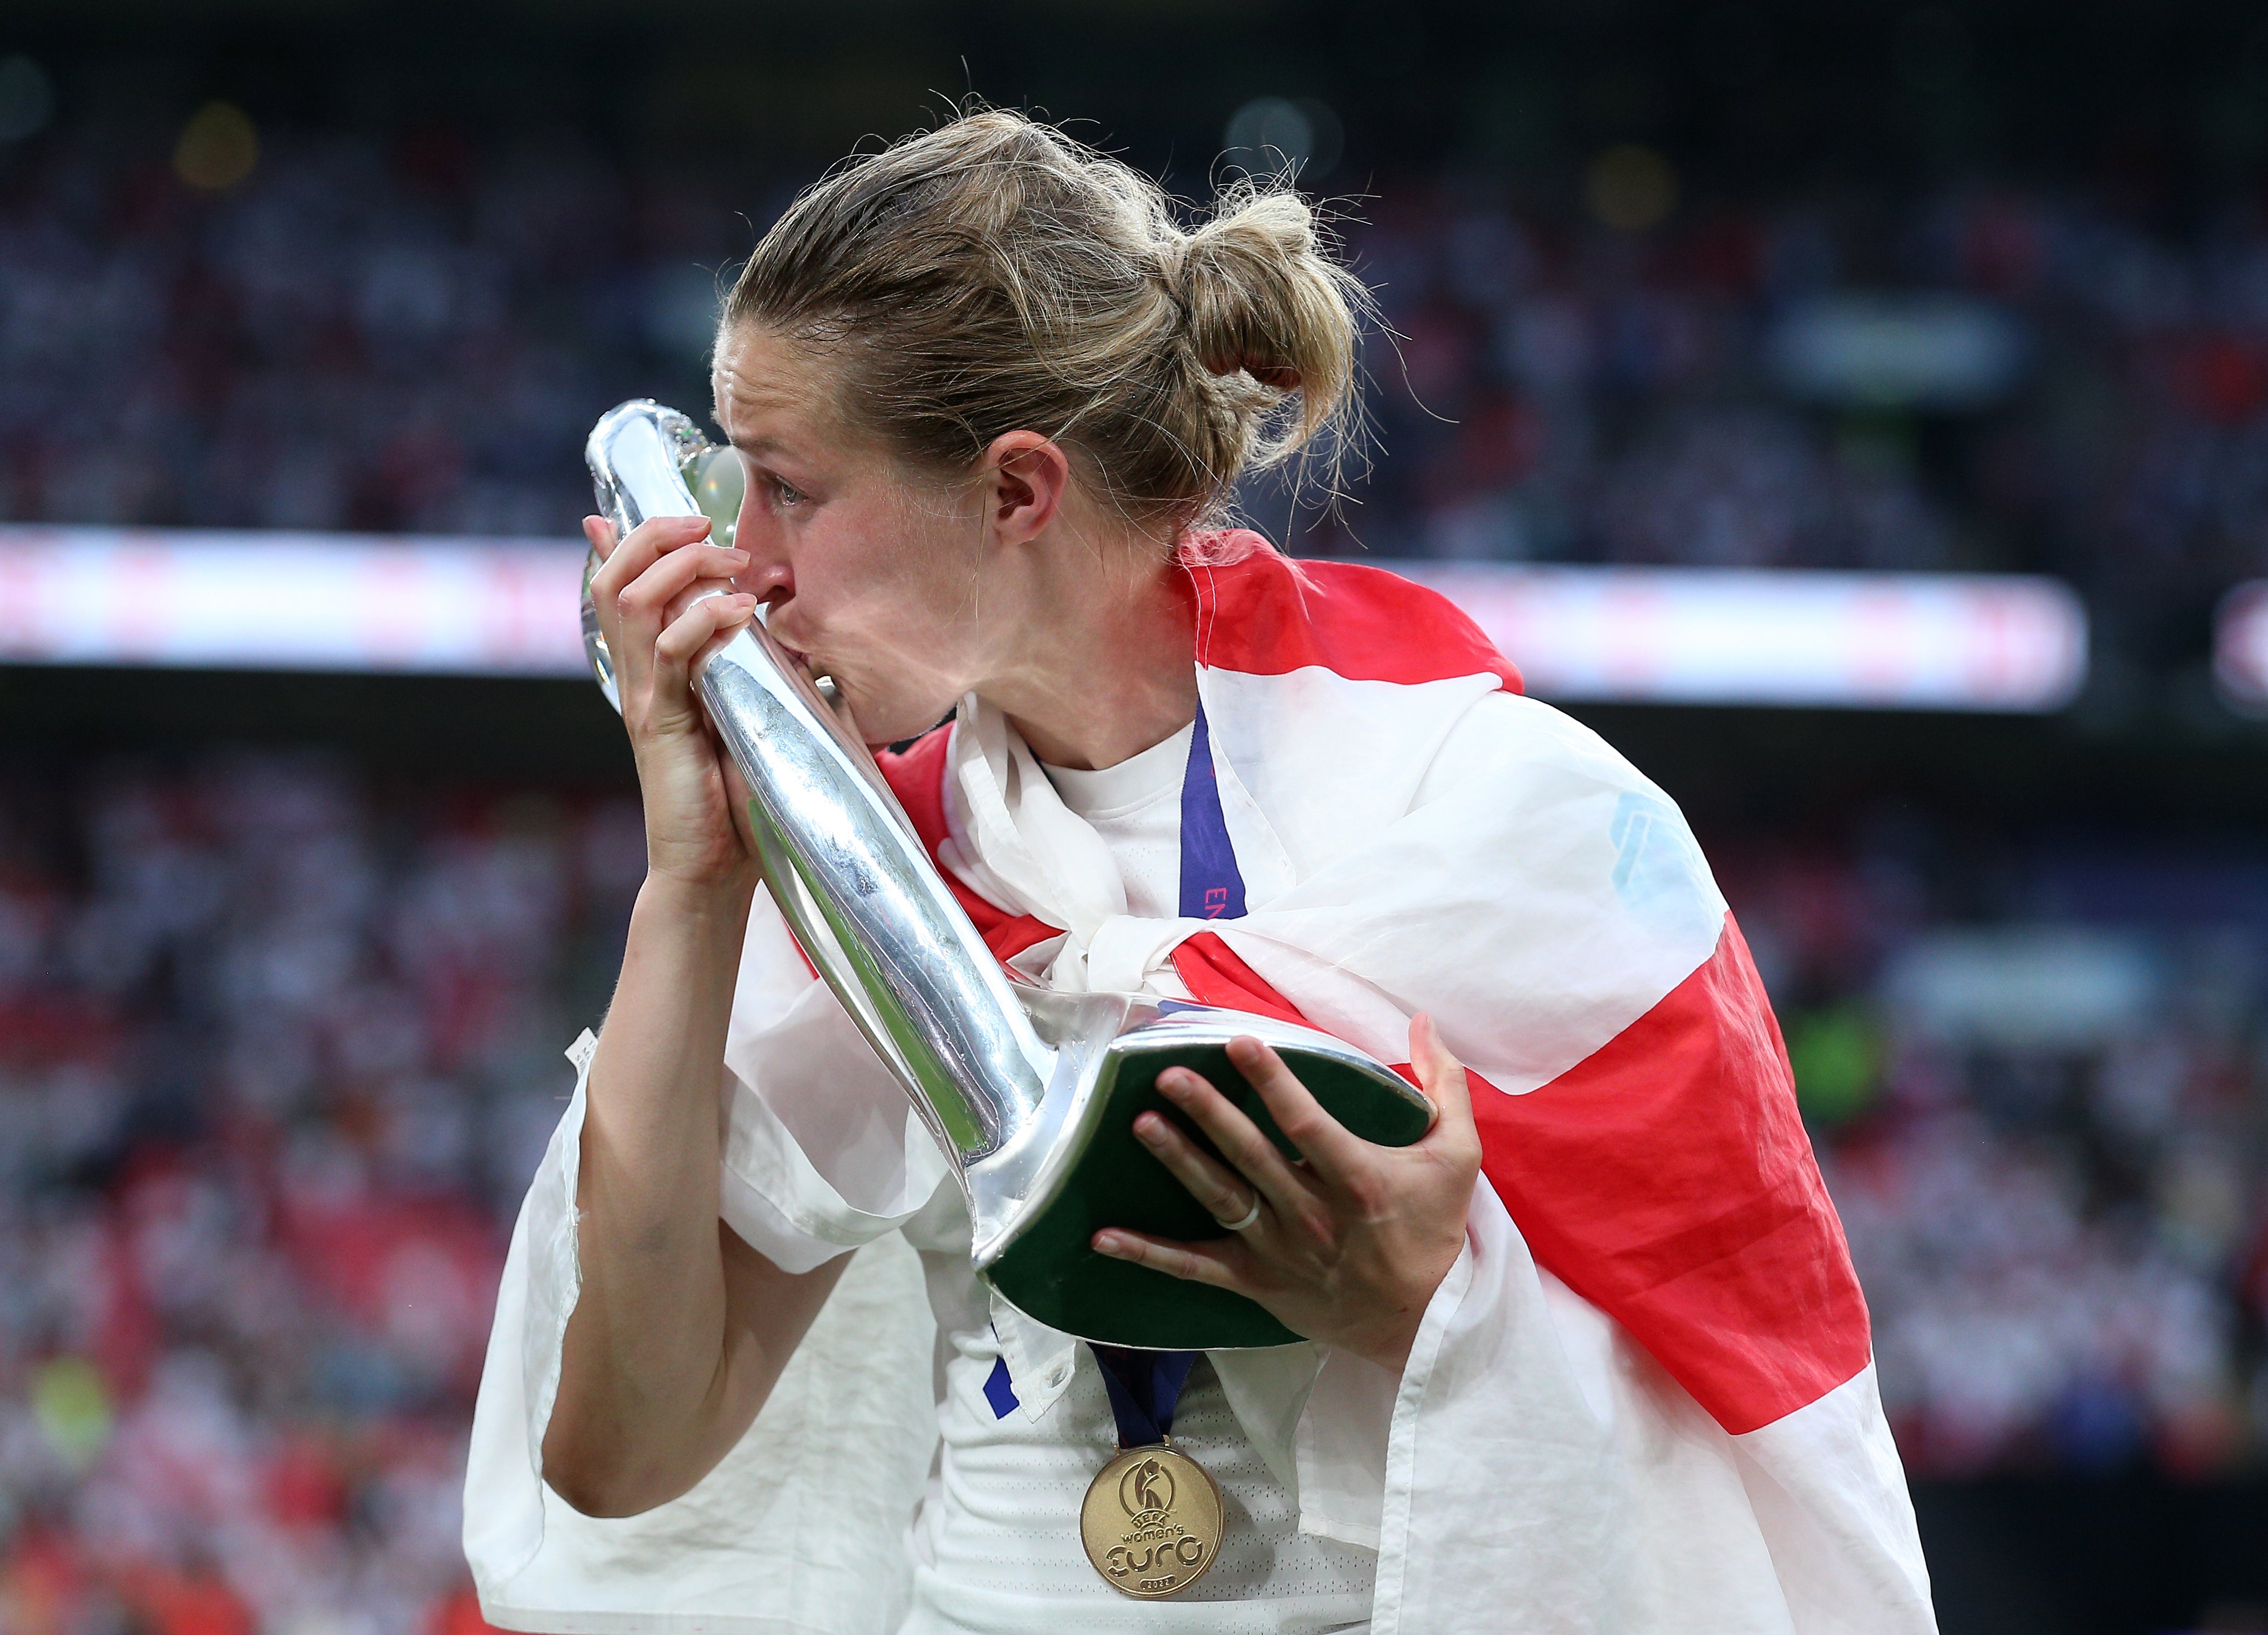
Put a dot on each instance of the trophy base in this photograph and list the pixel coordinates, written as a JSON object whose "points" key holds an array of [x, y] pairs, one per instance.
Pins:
{"points": [[1047, 1269]]}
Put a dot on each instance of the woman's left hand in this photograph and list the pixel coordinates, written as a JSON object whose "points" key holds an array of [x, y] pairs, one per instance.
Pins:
{"points": [[1348, 1246]]}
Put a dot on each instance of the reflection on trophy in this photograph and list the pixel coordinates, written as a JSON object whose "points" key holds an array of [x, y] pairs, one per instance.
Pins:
{"points": [[1031, 1094]]}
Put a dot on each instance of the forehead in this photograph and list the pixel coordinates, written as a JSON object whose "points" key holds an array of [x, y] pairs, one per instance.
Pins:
{"points": [[767, 387]]}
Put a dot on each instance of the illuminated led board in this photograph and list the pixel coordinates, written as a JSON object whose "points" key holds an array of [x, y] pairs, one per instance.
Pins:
{"points": [[1740, 636], [289, 601], [489, 606]]}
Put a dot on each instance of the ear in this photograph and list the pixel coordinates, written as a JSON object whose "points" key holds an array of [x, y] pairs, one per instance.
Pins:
{"points": [[1025, 478]]}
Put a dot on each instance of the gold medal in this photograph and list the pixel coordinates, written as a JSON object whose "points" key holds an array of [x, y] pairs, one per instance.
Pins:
{"points": [[1151, 1522]]}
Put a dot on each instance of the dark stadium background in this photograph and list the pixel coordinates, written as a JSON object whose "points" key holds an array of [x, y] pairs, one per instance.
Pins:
{"points": [[286, 961]]}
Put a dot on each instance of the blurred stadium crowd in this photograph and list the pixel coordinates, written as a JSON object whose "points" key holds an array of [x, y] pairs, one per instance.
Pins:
{"points": [[280, 1052], [278, 1060]]}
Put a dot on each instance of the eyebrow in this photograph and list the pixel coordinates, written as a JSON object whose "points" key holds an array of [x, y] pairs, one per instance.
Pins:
{"points": [[761, 439], [757, 404]]}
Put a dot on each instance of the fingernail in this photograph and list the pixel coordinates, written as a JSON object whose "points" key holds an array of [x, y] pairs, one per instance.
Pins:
{"points": [[1150, 1129], [1108, 1243]]}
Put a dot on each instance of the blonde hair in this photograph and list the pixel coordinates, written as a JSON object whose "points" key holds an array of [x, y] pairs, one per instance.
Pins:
{"points": [[994, 276]]}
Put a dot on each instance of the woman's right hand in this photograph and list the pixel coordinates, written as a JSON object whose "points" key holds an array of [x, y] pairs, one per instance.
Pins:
{"points": [[651, 594]]}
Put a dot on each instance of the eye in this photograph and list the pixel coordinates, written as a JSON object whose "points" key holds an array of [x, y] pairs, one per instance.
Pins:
{"points": [[785, 493]]}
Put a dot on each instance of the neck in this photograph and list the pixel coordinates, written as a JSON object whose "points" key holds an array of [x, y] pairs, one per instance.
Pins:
{"points": [[1111, 673]]}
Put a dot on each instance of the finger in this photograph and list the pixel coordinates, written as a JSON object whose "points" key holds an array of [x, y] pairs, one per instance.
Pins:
{"points": [[646, 543], [1332, 1151], [730, 622], [1221, 1264], [701, 624], [709, 621], [678, 572], [1241, 1142], [601, 533], [703, 587], [1442, 1077], [658, 597], [632, 645], [1224, 1197]]}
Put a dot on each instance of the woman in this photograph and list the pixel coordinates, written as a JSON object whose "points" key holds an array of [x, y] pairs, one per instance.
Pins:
{"points": [[1588, 1356]]}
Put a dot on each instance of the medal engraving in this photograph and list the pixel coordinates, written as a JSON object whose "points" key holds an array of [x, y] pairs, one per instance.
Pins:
{"points": [[1151, 1522]]}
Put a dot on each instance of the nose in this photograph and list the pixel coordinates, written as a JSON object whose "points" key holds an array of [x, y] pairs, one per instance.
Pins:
{"points": [[770, 576]]}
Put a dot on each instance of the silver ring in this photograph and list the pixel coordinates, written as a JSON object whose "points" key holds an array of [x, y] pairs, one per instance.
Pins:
{"points": [[1246, 1218]]}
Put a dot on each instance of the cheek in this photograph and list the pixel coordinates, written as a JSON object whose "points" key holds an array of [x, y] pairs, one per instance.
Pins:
{"points": [[903, 572], [902, 632]]}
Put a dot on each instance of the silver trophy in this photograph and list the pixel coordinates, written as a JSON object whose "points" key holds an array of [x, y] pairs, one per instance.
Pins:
{"points": [[1031, 1094]]}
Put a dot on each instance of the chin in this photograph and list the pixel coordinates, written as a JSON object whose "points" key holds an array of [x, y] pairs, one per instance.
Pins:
{"points": [[890, 720]]}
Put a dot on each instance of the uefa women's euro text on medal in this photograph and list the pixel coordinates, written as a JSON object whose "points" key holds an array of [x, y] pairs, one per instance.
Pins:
{"points": [[1151, 1521]]}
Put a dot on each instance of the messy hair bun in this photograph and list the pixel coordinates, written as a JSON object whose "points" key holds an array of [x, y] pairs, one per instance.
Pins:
{"points": [[994, 276], [1265, 302]]}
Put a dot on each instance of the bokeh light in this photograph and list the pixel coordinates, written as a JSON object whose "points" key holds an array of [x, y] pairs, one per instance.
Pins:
{"points": [[1278, 136], [27, 99], [218, 148], [1630, 187]]}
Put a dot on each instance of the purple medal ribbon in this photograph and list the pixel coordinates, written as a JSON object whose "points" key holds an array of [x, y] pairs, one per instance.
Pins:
{"points": [[1212, 887]]}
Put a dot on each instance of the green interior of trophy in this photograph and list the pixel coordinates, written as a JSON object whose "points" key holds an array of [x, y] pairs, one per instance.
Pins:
{"points": [[718, 480], [1051, 1274]]}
